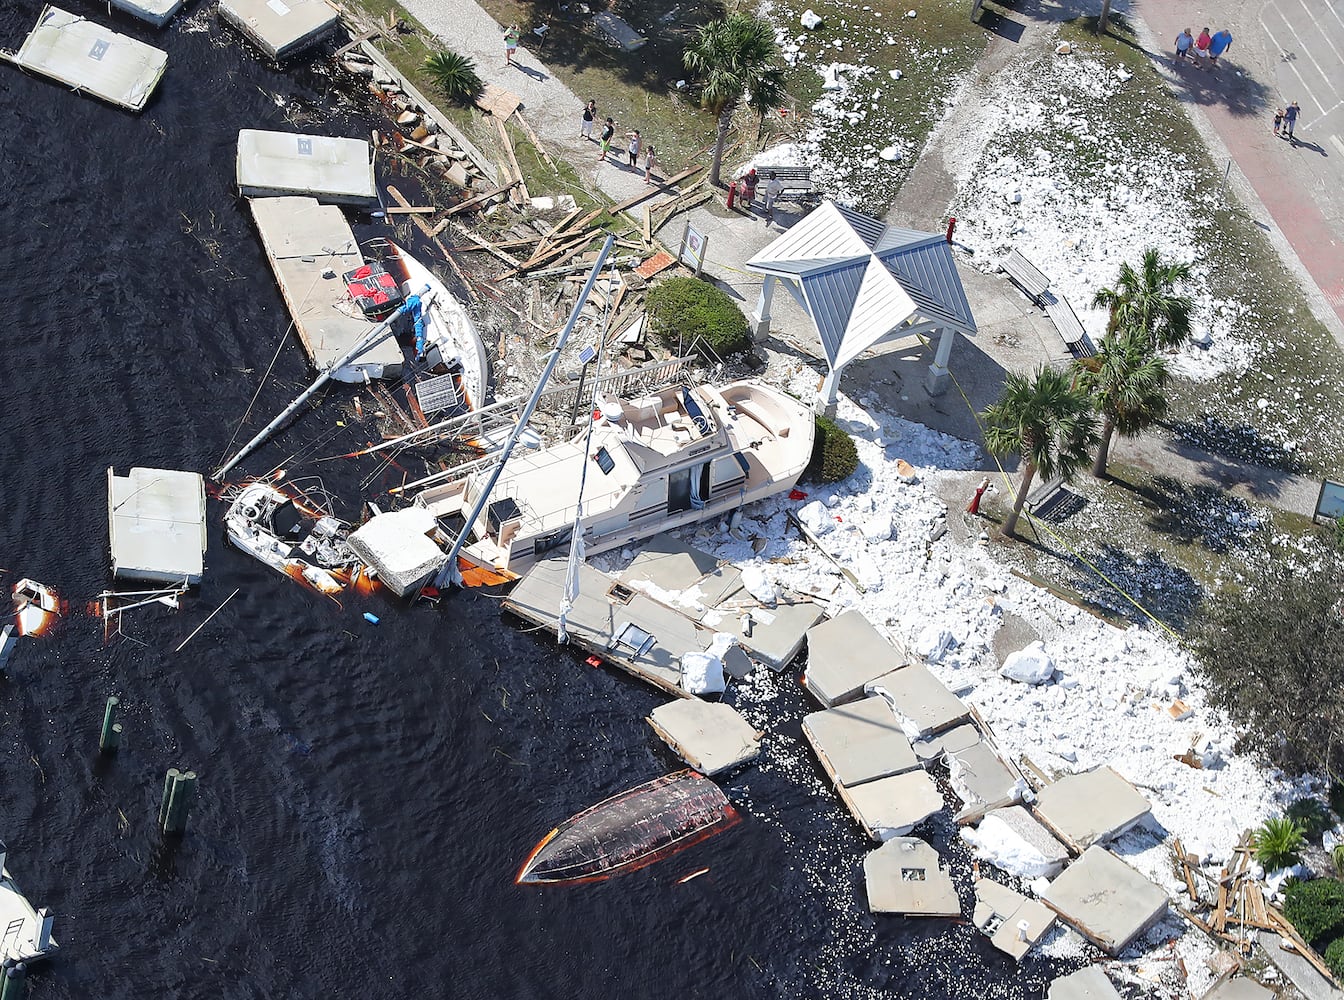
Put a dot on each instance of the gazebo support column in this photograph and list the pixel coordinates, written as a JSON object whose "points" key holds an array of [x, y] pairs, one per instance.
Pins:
{"points": [[935, 383], [829, 395], [760, 317]]}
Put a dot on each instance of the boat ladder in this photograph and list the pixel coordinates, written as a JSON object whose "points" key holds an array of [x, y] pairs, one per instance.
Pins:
{"points": [[13, 930]]}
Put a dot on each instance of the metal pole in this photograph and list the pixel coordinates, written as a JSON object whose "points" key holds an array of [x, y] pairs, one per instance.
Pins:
{"points": [[371, 340], [449, 573]]}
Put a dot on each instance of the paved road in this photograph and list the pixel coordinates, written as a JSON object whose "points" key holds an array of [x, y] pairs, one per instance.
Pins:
{"points": [[1283, 51]]}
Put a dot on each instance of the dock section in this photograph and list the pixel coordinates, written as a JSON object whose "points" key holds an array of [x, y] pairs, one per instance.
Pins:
{"points": [[281, 27], [156, 12], [156, 525], [332, 170], [1106, 900], [1093, 807], [1089, 983], [710, 736], [26, 931], [309, 246], [843, 655], [87, 57], [903, 876]]}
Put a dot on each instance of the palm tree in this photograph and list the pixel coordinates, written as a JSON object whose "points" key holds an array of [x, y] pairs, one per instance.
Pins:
{"points": [[1048, 422], [455, 75], [732, 57], [1126, 381], [1145, 303], [768, 94]]}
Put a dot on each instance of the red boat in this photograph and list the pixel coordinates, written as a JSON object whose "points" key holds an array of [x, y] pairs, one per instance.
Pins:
{"points": [[629, 831]]}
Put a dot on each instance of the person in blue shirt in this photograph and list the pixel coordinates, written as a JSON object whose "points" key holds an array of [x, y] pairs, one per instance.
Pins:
{"points": [[1290, 121], [1219, 44]]}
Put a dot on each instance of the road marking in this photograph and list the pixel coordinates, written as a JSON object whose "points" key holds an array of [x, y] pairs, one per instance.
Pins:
{"points": [[1289, 62], [1331, 7], [1307, 52], [1338, 145], [1321, 31]]}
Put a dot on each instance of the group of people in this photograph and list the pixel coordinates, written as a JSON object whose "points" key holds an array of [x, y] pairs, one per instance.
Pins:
{"points": [[745, 190], [1206, 48], [634, 141], [1285, 121]]}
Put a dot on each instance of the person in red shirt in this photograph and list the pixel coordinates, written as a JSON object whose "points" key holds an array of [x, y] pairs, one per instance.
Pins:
{"points": [[1202, 44]]}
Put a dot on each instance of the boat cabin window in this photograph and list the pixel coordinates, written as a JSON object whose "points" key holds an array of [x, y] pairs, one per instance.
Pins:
{"points": [[604, 461]]}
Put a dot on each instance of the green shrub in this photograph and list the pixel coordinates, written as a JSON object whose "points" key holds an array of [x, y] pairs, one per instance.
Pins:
{"points": [[1277, 843], [834, 456], [1334, 958], [1336, 798], [455, 75], [685, 313], [1337, 858], [1312, 816], [1316, 909]]}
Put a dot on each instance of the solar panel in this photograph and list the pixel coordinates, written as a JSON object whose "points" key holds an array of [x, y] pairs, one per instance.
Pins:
{"points": [[438, 393]]}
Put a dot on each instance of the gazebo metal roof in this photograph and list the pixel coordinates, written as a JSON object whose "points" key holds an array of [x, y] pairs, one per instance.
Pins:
{"points": [[862, 280]]}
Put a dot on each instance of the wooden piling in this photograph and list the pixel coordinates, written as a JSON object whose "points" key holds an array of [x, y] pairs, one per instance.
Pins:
{"points": [[110, 738], [169, 780], [180, 802]]}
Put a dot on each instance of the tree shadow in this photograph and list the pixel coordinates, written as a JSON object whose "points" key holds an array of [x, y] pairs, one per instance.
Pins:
{"points": [[1240, 93], [1154, 585], [1194, 513], [1209, 441], [1008, 30]]}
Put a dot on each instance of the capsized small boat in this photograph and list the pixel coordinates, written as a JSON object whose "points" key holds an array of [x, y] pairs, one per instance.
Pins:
{"points": [[451, 338], [36, 607], [304, 544], [628, 831]]}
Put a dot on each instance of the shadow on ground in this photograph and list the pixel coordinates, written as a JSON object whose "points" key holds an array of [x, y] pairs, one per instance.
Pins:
{"points": [[1194, 513], [1215, 440], [1153, 585]]}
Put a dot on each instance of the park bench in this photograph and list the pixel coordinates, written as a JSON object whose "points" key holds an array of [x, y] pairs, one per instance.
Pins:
{"points": [[1066, 322], [1026, 276], [1043, 494], [797, 182]]}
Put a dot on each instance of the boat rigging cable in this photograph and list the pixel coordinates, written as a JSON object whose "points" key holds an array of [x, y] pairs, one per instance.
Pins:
{"points": [[576, 553], [450, 573]]}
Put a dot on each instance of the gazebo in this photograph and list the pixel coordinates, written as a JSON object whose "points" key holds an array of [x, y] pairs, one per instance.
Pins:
{"points": [[865, 283]]}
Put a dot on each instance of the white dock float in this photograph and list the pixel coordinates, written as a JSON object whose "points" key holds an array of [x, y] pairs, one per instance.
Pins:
{"points": [[280, 27], [337, 171], [26, 932], [86, 56], [156, 525], [304, 242], [710, 736], [156, 12]]}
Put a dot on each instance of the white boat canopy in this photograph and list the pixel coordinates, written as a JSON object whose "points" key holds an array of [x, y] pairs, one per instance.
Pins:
{"points": [[865, 282]]}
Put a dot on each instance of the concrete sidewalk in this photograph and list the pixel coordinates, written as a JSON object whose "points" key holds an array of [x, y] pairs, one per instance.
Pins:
{"points": [[551, 108]]}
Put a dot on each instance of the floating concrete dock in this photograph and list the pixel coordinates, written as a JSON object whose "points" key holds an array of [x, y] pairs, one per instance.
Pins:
{"points": [[921, 701], [859, 742], [27, 932], [1089, 983], [903, 876], [1239, 988], [156, 525], [398, 545], [309, 246], [332, 170], [843, 655], [156, 12], [1106, 900], [87, 57], [892, 807], [710, 736], [602, 619], [281, 27], [1093, 807], [983, 781], [1013, 923]]}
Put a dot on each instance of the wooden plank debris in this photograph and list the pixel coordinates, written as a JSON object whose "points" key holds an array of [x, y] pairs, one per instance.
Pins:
{"points": [[472, 202], [513, 160], [532, 138], [411, 210], [1185, 870], [483, 245], [355, 43], [497, 101]]}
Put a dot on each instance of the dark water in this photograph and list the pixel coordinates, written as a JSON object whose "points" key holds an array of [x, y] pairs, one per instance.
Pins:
{"points": [[366, 792]]}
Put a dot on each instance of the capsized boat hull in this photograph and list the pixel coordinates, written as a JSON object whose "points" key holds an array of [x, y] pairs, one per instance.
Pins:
{"points": [[449, 329], [630, 831]]}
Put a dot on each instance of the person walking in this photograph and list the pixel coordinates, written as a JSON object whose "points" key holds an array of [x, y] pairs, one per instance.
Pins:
{"points": [[774, 187], [1184, 42], [1278, 120], [634, 146], [1290, 121], [1202, 44], [608, 130], [1218, 44], [649, 162], [589, 120], [511, 36]]}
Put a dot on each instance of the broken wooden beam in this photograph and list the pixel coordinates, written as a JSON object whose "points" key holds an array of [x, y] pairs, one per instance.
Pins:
{"points": [[532, 138], [513, 160], [553, 272], [472, 202], [355, 43], [652, 190], [1185, 870], [483, 244], [411, 210]]}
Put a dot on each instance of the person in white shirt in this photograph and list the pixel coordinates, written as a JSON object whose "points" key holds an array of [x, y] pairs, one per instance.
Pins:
{"points": [[774, 187]]}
